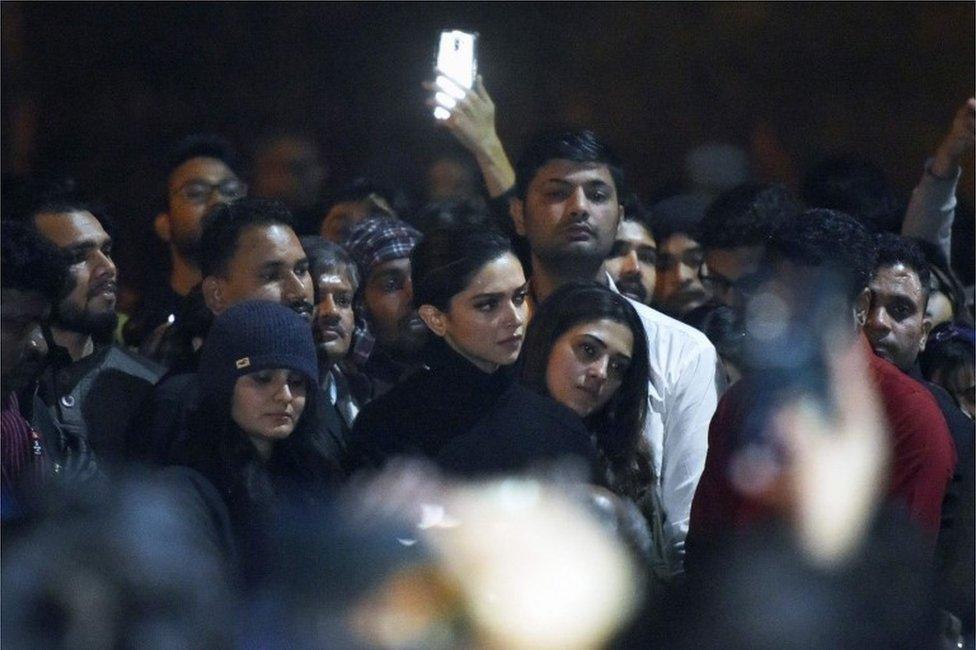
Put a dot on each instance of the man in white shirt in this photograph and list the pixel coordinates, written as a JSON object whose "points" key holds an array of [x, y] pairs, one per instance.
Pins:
{"points": [[567, 206]]}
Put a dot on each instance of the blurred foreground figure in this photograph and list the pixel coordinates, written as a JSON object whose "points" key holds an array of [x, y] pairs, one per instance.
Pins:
{"points": [[120, 568], [408, 560], [739, 487]]}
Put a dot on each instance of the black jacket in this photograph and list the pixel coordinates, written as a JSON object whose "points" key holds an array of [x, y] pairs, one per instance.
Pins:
{"points": [[165, 425], [99, 398], [467, 421]]}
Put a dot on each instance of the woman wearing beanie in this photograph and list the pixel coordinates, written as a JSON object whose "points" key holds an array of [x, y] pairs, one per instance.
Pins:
{"points": [[250, 435], [465, 410]]}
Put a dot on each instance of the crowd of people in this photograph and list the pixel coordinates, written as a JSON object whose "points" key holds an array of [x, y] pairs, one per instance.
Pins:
{"points": [[534, 410]]}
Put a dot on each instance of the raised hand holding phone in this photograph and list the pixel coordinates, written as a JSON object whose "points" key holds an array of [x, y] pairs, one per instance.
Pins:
{"points": [[456, 68], [466, 109]]}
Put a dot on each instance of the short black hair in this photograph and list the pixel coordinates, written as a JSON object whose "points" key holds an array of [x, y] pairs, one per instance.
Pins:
{"points": [[66, 204], [635, 210], [566, 144], [222, 228], [325, 256], [199, 145], [893, 249], [23, 193], [747, 215], [681, 213], [830, 239], [857, 187], [31, 263]]}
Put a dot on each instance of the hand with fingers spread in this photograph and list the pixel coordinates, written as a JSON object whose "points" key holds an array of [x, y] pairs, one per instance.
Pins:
{"points": [[959, 140], [470, 117]]}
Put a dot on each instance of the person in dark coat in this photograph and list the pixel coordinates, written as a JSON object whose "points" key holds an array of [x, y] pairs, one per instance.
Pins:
{"points": [[251, 434], [465, 409]]}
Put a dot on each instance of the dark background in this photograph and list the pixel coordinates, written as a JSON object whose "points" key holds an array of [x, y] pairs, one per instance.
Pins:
{"points": [[99, 91]]}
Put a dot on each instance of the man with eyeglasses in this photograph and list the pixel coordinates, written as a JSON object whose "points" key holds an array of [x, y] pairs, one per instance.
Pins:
{"points": [[201, 173], [631, 262], [734, 232], [678, 289]]}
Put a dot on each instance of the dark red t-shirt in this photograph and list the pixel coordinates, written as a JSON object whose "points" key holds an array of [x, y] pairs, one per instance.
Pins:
{"points": [[922, 455]]}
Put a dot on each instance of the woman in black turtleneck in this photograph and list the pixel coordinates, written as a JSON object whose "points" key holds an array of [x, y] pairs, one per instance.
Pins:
{"points": [[466, 410]]}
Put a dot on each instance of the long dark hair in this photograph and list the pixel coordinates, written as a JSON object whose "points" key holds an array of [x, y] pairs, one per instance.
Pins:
{"points": [[619, 425], [218, 448]]}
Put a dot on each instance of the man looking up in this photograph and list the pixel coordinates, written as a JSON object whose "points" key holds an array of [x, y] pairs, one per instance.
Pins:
{"points": [[92, 388], [391, 335], [632, 260], [734, 232], [567, 206], [201, 173]]}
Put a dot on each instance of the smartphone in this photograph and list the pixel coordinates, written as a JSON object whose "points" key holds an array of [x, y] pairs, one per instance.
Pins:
{"points": [[792, 322], [456, 58]]}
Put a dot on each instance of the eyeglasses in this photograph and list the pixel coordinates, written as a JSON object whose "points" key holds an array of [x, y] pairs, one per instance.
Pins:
{"points": [[199, 192], [719, 285], [693, 258]]}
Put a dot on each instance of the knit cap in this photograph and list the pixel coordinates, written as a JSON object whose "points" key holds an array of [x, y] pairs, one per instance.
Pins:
{"points": [[252, 336], [378, 240]]}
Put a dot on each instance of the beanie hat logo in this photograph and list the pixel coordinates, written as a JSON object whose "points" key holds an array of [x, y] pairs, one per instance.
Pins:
{"points": [[243, 362]]}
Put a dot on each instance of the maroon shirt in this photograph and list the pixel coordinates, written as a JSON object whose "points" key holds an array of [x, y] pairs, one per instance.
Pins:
{"points": [[922, 455], [23, 459]]}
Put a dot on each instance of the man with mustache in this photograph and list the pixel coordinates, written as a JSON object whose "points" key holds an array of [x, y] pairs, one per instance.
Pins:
{"points": [[249, 251], [632, 260], [897, 329], [92, 387], [567, 207], [336, 281], [390, 336], [677, 223]]}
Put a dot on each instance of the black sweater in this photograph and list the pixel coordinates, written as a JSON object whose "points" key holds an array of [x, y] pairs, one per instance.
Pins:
{"points": [[467, 421]]}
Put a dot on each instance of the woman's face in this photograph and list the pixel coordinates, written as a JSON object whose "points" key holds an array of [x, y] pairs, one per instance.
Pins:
{"points": [[267, 404], [485, 323], [587, 364]]}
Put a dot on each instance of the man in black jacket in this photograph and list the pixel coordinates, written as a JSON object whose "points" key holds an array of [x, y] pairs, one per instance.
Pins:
{"points": [[92, 388], [336, 281]]}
